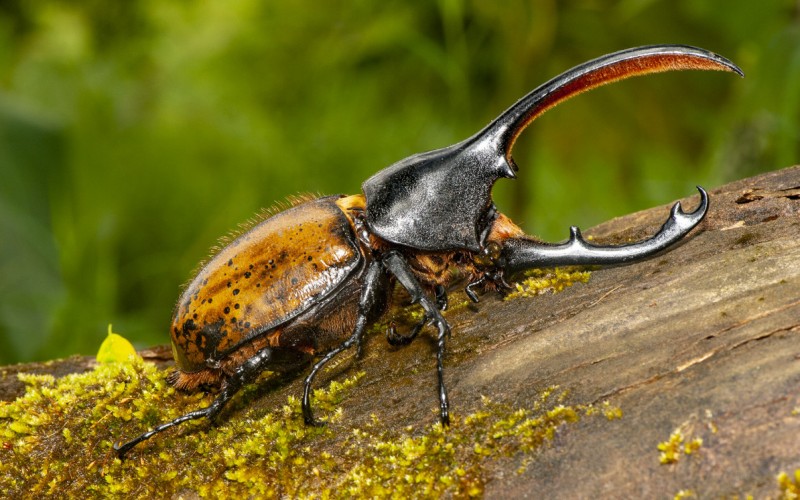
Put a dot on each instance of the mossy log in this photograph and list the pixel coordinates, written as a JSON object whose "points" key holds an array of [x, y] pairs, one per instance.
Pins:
{"points": [[675, 376]]}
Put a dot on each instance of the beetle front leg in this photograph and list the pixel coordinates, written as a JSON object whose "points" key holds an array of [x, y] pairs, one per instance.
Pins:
{"points": [[519, 254], [395, 264], [398, 339], [369, 302]]}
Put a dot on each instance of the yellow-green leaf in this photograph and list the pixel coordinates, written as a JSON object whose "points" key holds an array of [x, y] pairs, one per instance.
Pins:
{"points": [[115, 348]]}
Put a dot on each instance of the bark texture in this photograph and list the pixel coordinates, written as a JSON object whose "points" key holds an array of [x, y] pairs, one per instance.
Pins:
{"points": [[703, 339]]}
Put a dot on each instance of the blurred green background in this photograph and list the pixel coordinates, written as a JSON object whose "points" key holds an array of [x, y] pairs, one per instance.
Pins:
{"points": [[133, 134]]}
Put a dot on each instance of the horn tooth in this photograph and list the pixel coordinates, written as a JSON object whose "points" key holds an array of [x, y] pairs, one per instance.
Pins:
{"points": [[507, 168]]}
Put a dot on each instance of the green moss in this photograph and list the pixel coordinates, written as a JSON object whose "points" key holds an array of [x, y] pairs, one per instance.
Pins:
{"points": [[538, 281], [790, 487], [57, 440], [672, 448]]}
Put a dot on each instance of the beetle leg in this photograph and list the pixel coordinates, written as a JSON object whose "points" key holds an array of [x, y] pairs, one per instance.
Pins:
{"points": [[520, 254], [395, 264], [398, 339], [441, 297], [274, 358], [470, 288], [369, 302], [495, 277]]}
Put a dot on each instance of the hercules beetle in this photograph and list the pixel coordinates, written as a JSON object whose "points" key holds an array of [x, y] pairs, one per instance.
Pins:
{"points": [[309, 280]]}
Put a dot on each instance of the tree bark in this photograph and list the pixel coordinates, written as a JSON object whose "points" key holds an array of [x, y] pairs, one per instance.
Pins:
{"points": [[703, 339]]}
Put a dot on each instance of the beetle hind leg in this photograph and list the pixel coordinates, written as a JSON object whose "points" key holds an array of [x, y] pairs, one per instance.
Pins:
{"points": [[267, 358]]}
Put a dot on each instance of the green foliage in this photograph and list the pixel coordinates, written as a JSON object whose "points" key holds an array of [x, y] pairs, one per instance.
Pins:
{"points": [[133, 134]]}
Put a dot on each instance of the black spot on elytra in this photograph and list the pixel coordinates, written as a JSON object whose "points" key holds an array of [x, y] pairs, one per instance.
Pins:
{"points": [[226, 310], [247, 324], [258, 285], [236, 291], [230, 262], [233, 320], [194, 316], [251, 266], [229, 284], [294, 281], [310, 258], [189, 326], [210, 300], [236, 306], [247, 274]]}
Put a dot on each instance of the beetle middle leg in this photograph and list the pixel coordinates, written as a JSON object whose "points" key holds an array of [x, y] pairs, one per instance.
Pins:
{"points": [[268, 358]]}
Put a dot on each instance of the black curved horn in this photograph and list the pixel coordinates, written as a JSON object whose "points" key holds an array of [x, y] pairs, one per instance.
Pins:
{"points": [[520, 254], [451, 188], [605, 69]]}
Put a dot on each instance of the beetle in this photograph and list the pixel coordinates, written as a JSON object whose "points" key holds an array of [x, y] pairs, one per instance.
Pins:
{"points": [[308, 281]]}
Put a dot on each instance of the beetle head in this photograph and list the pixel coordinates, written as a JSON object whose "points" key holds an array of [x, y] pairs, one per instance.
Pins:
{"points": [[442, 199]]}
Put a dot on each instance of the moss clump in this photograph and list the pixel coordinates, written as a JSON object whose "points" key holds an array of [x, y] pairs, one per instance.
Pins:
{"points": [[440, 461], [790, 487], [608, 411], [672, 449], [539, 281], [57, 440]]}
